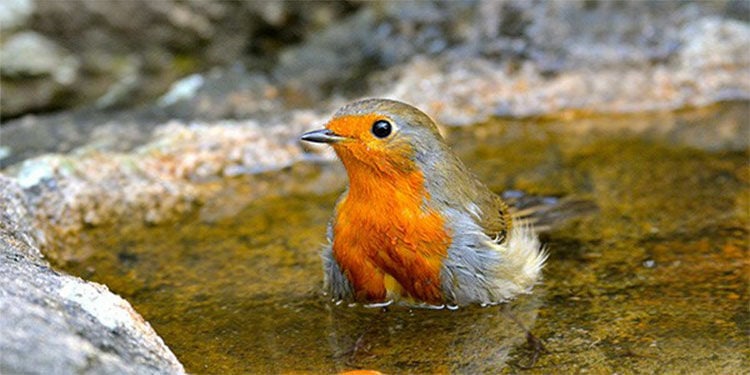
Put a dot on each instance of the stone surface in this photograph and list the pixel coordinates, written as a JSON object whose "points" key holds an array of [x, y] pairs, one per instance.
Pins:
{"points": [[52, 323], [131, 51], [157, 180], [15, 13], [32, 54], [491, 58], [35, 71]]}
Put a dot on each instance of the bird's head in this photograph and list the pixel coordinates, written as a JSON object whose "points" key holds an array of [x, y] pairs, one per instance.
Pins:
{"points": [[381, 136]]}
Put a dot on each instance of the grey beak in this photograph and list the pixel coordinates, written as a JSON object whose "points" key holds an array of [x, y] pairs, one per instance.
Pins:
{"points": [[322, 136]]}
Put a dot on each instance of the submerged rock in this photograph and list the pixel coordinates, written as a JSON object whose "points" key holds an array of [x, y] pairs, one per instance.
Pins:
{"points": [[53, 323]]}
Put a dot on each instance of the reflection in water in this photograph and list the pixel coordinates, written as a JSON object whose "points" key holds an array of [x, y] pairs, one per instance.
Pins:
{"points": [[653, 281], [469, 340]]}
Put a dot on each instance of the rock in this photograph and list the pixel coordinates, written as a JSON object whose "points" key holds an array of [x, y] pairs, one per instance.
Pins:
{"points": [[339, 57], [130, 52], [16, 226], [30, 54], [232, 93], [182, 89], [36, 73], [52, 323], [33, 171], [31, 95], [715, 43], [328, 58], [159, 180], [15, 13]]}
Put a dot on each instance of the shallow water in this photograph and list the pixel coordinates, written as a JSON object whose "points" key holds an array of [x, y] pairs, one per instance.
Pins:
{"points": [[654, 280]]}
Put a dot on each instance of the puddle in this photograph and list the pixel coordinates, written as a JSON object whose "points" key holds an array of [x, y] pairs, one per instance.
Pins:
{"points": [[654, 281]]}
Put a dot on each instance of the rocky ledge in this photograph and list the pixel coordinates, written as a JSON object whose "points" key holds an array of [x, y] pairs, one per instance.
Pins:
{"points": [[52, 323]]}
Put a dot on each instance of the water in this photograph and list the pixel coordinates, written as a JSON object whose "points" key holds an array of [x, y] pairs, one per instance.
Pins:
{"points": [[655, 279]]}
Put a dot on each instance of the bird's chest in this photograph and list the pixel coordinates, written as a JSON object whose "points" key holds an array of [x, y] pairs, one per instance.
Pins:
{"points": [[393, 244]]}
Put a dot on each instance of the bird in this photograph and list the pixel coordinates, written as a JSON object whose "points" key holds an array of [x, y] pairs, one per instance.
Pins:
{"points": [[414, 226]]}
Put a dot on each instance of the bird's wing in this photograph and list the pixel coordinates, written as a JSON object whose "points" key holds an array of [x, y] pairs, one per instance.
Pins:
{"points": [[495, 220]]}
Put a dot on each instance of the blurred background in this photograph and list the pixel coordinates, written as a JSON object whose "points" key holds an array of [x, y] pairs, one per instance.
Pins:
{"points": [[235, 59], [77, 65]]}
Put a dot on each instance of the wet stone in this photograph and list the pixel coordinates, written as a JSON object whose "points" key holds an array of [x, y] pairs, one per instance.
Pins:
{"points": [[54, 323]]}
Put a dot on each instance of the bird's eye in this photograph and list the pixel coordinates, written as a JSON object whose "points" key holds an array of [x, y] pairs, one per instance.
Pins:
{"points": [[381, 128]]}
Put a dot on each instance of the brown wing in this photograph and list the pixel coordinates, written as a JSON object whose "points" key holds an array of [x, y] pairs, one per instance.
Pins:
{"points": [[493, 214], [496, 217]]}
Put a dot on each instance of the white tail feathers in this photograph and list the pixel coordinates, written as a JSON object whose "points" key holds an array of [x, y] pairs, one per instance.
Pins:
{"points": [[523, 258]]}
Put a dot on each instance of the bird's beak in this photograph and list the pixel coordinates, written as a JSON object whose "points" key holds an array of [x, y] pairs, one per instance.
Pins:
{"points": [[322, 136]]}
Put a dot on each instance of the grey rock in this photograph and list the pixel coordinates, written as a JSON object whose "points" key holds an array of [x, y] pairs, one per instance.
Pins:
{"points": [[30, 54], [298, 54], [30, 95], [15, 13], [129, 52], [378, 36], [337, 54], [36, 73], [52, 323], [232, 93], [712, 43], [16, 227]]}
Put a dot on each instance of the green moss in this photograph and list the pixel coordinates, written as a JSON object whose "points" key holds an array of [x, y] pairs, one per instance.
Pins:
{"points": [[185, 64]]}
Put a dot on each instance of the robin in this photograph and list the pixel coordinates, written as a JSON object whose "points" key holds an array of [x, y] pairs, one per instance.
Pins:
{"points": [[414, 225]]}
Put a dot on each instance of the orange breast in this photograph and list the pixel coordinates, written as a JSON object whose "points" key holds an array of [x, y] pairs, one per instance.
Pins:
{"points": [[384, 232]]}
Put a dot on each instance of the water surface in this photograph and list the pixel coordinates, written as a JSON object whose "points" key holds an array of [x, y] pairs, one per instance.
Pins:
{"points": [[655, 279]]}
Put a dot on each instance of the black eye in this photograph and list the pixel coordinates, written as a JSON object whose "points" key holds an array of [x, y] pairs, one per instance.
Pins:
{"points": [[381, 128]]}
